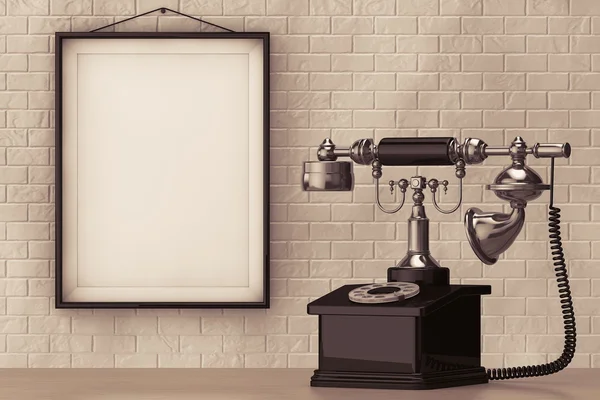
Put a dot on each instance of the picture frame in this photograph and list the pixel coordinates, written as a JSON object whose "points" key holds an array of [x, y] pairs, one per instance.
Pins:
{"points": [[162, 170]]}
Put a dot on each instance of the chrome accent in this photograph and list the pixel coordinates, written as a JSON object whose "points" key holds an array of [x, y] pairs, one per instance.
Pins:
{"points": [[418, 254], [473, 151], [491, 234], [326, 151], [402, 184], [454, 150], [327, 176], [362, 151], [497, 151], [540, 150], [518, 183], [434, 183]]}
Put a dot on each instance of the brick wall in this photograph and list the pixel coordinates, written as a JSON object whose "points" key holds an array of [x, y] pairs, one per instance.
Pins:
{"points": [[491, 69]]}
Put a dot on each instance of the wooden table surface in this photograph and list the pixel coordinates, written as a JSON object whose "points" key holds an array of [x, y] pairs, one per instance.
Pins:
{"points": [[262, 384]]}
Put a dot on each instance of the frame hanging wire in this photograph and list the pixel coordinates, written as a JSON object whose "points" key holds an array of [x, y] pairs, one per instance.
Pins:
{"points": [[163, 10]]}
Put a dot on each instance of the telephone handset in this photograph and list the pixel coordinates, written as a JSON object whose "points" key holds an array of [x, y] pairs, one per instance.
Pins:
{"points": [[489, 234]]}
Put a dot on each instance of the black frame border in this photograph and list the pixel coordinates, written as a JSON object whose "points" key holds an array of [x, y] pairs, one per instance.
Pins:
{"points": [[59, 38]]}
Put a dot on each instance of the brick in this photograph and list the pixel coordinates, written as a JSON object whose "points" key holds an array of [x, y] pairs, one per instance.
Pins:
{"points": [[503, 343], [370, 7], [504, 44], [547, 44], [396, 100], [374, 81], [179, 360], [73, 7], [13, 249], [40, 137], [417, 44], [461, 44], [283, 7], [439, 25], [193, 7], [27, 343], [307, 25], [420, 81], [395, 25], [526, 63], [114, 7], [265, 361], [585, 7], [326, 7], [482, 100], [29, 81], [374, 44], [585, 119], [13, 324], [157, 344], [352, 25], [13, 62], [548, 7], [569, 62], [376, 119], [551, 81], [567, 101], [28, 7], [417, 119], [463, 81], [504, 119], [461, 7], [27, 306], [351, 62], [353, 100], [504, 81], [223, 361], [39, 212], [352, 250], [437, 62], [49, 324], [84, 360], [70, 344], [482, 25], [568, 25], [136, 361], [93, 325], [13, 175], [460, 119], [49, 25], [13, 25], [114, 344], [482, 62], [331, 119], [504, 306], [289, 44], [222, 325], [331, 81], [331, 44], [26, 156], [525, 100], [28, 119]]}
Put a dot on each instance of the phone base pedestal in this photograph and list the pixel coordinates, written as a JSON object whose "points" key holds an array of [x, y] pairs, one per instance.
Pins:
{"points": [[430, 341], [380, 380]]}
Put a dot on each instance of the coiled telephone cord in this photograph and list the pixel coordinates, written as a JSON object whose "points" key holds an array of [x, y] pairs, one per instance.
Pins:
{"points": [[566, 301]]}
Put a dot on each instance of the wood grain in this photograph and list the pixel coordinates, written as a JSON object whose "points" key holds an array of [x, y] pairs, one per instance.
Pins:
{"points": [[264, 384]]}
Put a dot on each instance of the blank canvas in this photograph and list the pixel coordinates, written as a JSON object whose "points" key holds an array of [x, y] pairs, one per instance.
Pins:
{"points": [[163, 151]]}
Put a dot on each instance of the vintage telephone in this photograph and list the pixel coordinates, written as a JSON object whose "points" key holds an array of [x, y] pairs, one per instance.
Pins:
{"points": [[417, 331]]}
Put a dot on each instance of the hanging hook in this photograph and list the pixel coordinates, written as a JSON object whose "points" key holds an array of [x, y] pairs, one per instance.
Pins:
{"points": [[163, 10]]}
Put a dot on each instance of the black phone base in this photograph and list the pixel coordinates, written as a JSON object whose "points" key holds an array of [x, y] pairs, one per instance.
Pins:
{"points": [[430, 341]]}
